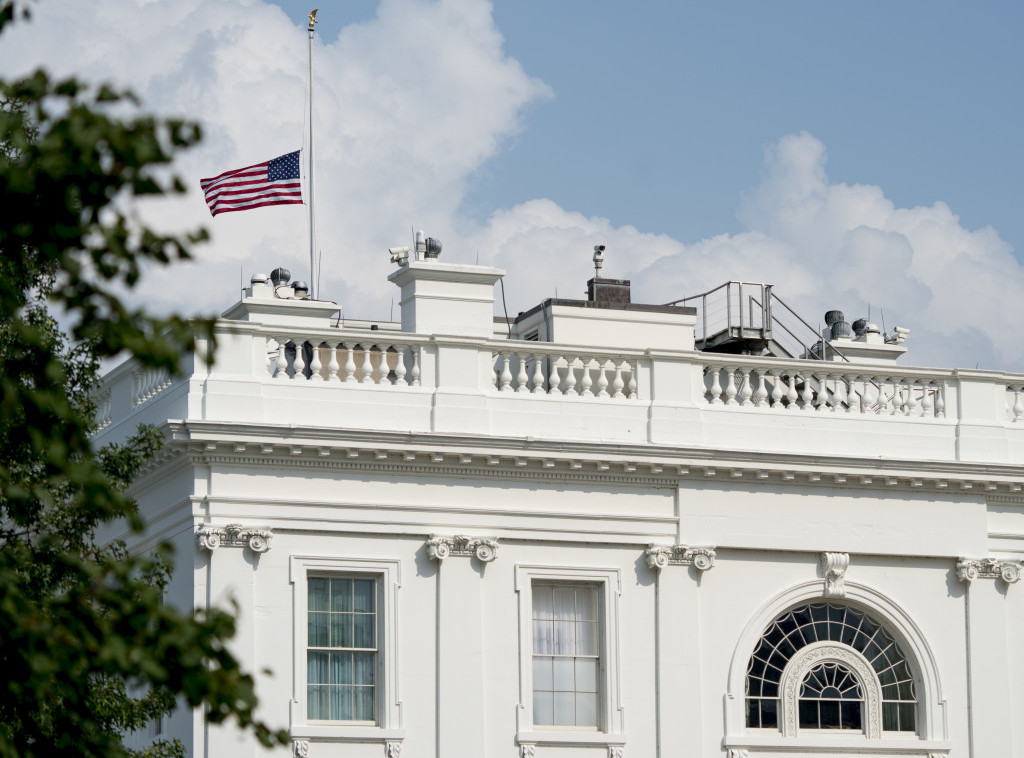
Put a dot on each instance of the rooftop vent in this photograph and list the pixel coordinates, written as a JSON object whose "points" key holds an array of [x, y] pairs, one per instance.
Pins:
{"points": [[280, 276]]}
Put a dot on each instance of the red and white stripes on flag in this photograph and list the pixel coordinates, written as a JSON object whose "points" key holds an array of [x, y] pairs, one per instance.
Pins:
{"points": [[274, 182]]}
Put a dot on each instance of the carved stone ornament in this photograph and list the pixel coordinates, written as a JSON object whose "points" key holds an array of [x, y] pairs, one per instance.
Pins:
{"points": [[393, 748], [660, 556], [484, 548], [300, 748], [969, 569], [615, 751], [234, 535], [738, 752], [527, 750], [834, 566]]}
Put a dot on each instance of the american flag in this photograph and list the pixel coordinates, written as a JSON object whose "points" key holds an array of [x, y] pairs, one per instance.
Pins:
{"points": [[274, 182]]}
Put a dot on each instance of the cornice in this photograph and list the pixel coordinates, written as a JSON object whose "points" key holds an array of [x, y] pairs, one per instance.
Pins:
{"points": [[426, 453]]}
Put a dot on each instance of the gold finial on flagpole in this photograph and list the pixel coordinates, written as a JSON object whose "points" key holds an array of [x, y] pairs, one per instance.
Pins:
{"points": [[312, 18]]}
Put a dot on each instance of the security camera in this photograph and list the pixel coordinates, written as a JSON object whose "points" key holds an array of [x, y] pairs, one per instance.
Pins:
{"points": [[399, 255], [598, 248]]}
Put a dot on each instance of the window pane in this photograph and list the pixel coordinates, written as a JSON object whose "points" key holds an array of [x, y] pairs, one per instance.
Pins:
{"points": [[586, 604], [586, 675], [341, 704], [890, 717], [565, 603], [565, 638], [318, 595], [317, 702], [363, 668], [362, 703], [907, 717], [543, 607], [586, 709], [317, 671], [586, 638], [829, 710], [341, 668], [341, 595], [318, 631], [753, 713], [770, 713], [543, 637], [363, 630], [565, 708], [808, 714], [362, 591], [563, 674], [850, 711], [341, 630], [542, 675], [543, 708]]}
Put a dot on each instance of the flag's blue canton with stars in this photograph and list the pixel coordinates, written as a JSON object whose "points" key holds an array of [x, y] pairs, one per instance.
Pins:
{"points": [[274, 182]]}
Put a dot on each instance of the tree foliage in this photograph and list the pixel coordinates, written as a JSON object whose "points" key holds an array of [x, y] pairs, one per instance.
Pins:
{"points": [[87, 648]]}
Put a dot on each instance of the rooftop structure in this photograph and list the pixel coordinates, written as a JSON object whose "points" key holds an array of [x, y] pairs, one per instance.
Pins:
{"points": [[599, 529]]}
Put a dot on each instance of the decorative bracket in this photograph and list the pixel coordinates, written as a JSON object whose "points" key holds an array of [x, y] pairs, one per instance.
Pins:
{"points": [[393, 748], [234, 535], [527, 750], [834, 566], [300, 748], [660, 556], [484, 548], [969, 569], [615, 751]]}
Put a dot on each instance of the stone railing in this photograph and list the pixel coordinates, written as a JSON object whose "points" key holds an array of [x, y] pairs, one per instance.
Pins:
{"points": [[1015, 402], [538, 368], [369, 358], [147, 383], [825, 387]]}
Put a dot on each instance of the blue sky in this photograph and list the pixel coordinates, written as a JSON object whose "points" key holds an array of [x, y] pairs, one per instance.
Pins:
{"points": [[661, 111], [857, 155]]}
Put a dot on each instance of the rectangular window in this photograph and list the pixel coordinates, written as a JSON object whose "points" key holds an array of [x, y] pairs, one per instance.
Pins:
{"points": [[566, 655], [342, 649]]}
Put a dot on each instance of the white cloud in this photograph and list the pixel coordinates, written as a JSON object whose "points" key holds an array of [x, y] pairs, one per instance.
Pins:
{"points": [[413, 102]]}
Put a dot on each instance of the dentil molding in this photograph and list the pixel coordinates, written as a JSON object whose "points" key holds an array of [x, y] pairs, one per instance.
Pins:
{"points": [[234, 535], [969, 569], [484, 548], [834, 566], [660, 556]]}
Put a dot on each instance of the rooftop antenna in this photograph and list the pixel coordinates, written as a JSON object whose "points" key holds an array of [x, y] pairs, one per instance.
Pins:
{"points": [[313, 272]]}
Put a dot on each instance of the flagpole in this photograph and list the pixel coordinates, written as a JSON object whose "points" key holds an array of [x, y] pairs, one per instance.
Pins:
{"points": [[312, 215]]}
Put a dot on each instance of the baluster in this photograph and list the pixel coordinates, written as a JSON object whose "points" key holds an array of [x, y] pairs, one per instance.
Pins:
{"points": [[912, 405], [554, 380], [350, 363], [821, 397], [522, 378], [314, 364], [602, 377], [415, 350], [506, 373], [299, 365], [332, 364], [619, 383], [586, 380], [495, 371], [570, 376], [940, 399], [927, 400], [775, 379], [367, 367], [282, 358], [730, 387], [1018, 403], [400, 366], [631, 386], [791, 393], [761, 393], [745, 390], [806, 396], [833, 399], [538, 374], [716, 385], [383, 369], [854, 398]]}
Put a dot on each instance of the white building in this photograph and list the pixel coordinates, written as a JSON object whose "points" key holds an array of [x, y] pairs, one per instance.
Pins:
{"points": [[577, 536]]}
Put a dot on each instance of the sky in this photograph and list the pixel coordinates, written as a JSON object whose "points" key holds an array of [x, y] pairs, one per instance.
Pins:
{"points": [[856, 155]]}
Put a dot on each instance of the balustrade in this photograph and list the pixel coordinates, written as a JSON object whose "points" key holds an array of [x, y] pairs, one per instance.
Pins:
{"points": [[564, 374], [382, 363], [853, 390], [147, 383]]}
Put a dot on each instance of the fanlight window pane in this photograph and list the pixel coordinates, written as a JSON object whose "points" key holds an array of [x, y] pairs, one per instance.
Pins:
{"points": [[566, 660], [820, 622]]}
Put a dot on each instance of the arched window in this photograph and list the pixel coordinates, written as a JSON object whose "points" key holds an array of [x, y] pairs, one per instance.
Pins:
{"points": [[829, 666]]}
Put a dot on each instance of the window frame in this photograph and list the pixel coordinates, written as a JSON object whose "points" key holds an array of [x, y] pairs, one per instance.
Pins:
{"points": [[386, 574], [608, 583]]}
